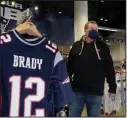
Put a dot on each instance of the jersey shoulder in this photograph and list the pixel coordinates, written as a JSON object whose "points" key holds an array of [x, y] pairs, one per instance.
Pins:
{"points": [[53, 49], [50, 46]]}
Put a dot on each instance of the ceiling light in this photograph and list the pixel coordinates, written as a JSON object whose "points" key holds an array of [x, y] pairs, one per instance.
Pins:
{"points": [[106, 20], [13, 3], [109, 44], [3, 2], [101, 19], [60, 12], [102, 1], [36, 8]]}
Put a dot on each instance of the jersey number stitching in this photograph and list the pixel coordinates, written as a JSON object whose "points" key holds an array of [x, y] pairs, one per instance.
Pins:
{"points": [[51, 46], [15, 81], [5, 39]]}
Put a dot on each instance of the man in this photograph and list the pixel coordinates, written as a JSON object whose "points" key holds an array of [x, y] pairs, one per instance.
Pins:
{"points": [[89, 63]]}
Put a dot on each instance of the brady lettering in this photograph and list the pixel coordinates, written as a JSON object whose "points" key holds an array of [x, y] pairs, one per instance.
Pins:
{"points": [[27, 62]]}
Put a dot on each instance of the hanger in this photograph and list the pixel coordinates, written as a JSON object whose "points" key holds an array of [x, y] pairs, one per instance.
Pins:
{"points": [[24, 26], [28, 28]]}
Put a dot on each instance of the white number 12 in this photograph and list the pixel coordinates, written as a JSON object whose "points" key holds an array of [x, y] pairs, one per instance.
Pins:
{"points": [[15, 80]]}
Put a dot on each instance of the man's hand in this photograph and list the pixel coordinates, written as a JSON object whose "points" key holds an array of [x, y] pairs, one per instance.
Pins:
{"points": [[112, 95], [28, 28]]}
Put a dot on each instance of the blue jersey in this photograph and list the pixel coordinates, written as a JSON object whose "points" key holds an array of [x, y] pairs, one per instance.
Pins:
{"points": [[32, 72]]}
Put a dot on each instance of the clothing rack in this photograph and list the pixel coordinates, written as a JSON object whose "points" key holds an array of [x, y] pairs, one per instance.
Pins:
{"points": [[123, 88]]}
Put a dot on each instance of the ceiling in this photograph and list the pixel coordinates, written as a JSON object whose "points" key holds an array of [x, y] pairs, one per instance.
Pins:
{"points": [[106, 13], [110, 14], [66, 7]]}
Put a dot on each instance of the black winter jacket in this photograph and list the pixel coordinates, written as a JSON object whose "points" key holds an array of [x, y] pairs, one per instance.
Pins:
{"points": [[89, 65]]}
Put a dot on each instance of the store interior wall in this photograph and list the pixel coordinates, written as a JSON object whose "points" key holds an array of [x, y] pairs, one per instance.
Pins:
{"points": [[55, 27], [117, 50]]}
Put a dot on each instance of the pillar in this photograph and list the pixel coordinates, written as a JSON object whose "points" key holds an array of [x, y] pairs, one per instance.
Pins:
{"points": [[80, 18]]}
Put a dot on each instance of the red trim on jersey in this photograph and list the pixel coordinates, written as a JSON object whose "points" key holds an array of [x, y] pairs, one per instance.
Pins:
{"points": [[67, 80]]}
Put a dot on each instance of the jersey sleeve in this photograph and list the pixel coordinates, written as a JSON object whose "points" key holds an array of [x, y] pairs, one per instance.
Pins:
{"points": [[61, 83]]}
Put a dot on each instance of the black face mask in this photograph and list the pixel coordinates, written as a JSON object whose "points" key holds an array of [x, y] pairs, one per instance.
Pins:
{"points": [[93, 34]]}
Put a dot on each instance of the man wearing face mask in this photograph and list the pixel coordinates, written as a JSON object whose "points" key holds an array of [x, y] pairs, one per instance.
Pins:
{"points": [[89, 63]]}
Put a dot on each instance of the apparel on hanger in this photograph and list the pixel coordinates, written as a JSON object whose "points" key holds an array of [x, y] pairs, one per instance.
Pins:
{"points": [[33, 75]]}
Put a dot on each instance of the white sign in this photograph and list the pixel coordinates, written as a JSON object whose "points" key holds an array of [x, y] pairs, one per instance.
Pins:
{"points": [[15, 5], [11, 12]]}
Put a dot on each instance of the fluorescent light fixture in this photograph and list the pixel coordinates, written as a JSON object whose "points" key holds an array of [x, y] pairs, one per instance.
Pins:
{"points": [[107, 29]]}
